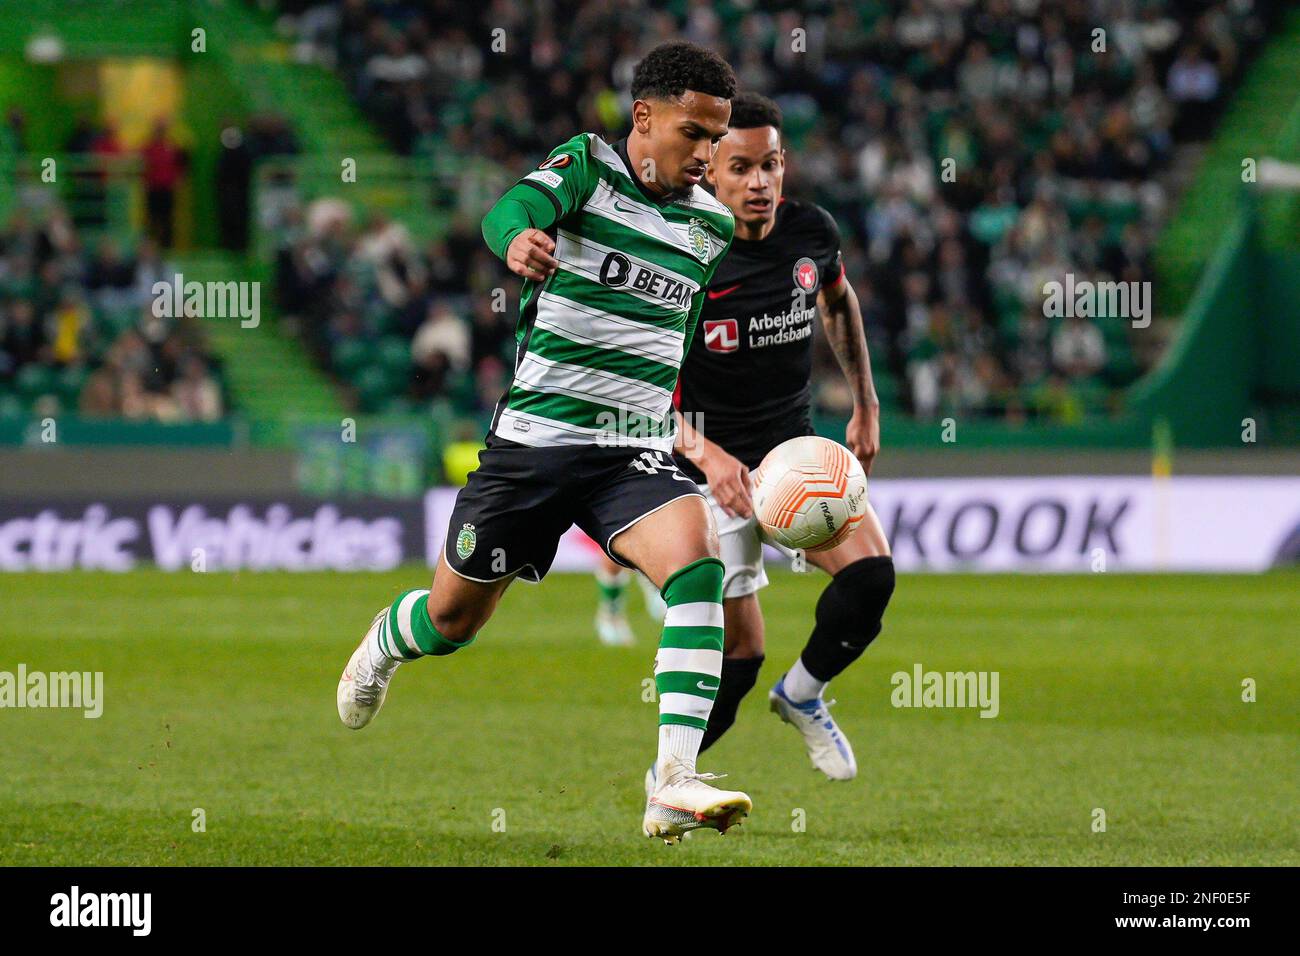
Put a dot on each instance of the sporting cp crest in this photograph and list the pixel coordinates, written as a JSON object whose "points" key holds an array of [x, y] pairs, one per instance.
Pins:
{"points": [[465, 541], [699, 240]]}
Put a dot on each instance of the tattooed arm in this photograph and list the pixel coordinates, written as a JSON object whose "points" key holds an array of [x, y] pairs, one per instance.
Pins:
{"points": [[842, 319]]}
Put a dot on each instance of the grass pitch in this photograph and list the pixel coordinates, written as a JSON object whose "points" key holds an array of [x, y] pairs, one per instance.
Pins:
{"points": [[1119, 693]]}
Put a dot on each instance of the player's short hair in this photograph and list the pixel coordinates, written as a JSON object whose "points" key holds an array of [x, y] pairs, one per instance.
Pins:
{"points": [[670, 69], [752, 110]]}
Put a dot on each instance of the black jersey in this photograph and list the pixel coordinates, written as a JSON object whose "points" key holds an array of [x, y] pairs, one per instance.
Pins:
{"points": [[745, 383]]}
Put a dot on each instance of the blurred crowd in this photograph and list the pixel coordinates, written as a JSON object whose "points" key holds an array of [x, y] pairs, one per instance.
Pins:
{"points": [[78, 334], [971, 151], [401, 324]]}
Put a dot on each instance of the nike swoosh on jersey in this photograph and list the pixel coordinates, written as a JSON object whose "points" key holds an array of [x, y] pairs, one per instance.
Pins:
{"points": [[718, 294], [700, 685]]}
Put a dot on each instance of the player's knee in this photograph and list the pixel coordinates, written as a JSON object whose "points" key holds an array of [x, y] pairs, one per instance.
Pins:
{"points": [[744, 644], [712, 544], [711, 548], [854, 603], [703, 536]]}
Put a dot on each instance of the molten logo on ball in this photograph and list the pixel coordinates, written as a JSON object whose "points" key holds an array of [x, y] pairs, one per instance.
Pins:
{"points": [[810, 493]]}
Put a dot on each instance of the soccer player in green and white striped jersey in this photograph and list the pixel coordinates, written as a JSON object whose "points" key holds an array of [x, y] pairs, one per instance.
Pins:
{"points": [[616, 243], [607, 327]]}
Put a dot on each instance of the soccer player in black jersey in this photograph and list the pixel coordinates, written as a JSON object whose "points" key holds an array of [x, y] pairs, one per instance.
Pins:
{"points": [[744, 388]]}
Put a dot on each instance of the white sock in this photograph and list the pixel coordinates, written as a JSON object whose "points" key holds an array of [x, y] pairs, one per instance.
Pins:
{"points": [[679, 743], [377, 653], [799, 685]]}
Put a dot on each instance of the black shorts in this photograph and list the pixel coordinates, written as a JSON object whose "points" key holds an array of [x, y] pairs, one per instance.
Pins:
{"points": [[509, 517]]}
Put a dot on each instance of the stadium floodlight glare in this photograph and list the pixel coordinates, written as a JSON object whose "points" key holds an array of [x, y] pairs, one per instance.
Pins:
{"points": [[1275, 174], [45, 47]]}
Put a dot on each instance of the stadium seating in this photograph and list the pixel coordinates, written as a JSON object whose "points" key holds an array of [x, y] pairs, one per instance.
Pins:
{"points": [[1062, 139], [77, 334]]}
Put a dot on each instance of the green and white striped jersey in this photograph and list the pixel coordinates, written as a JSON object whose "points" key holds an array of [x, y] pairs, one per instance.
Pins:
{"points": [[601, 341]]}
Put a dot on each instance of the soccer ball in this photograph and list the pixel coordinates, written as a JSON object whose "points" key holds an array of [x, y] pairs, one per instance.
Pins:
{"points": [[810, 493]]}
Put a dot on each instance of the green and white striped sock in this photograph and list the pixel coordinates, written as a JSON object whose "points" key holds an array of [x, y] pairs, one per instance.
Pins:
{"points": [[688, 666], [613, 589], [406, 632]]}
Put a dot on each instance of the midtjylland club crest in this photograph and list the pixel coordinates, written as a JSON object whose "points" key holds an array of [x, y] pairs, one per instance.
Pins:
{"points": [[805, 274]]}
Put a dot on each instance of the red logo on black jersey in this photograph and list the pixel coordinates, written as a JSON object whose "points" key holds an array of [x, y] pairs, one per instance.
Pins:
{"points": [[557, 162], [805, 274], [721, 335]]}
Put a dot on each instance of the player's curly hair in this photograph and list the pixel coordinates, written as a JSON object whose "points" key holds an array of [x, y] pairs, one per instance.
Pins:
{"points": [[670, 69], [751, 110]]}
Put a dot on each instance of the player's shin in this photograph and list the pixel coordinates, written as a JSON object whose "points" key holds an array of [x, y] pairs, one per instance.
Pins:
{"points": [[739, 675], [400, 632], [407, 631], [689, 663], [849, 615]]}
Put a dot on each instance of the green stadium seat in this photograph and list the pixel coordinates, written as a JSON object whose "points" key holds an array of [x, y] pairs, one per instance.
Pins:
{"points": [[394, 354], [398, 405], [33, 381], [117, 321], [70, 382], [461, 389], [381, 319], [350, 356], [1093, 393], [374, 388], [1121, 364]]}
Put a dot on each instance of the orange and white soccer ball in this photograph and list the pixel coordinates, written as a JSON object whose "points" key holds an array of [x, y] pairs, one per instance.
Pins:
{"points": [[810, 493]]}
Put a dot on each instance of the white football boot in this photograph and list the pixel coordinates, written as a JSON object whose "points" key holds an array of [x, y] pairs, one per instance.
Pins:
{"points": [[827, 747], [651, 781], [364, 683], [683, 801], [612, 628]]}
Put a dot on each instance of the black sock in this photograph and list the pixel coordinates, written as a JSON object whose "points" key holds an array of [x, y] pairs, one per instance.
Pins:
{"points": [[738, 677], [849, 613]]}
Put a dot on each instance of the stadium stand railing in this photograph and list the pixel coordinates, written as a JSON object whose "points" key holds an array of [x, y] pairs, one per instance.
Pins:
{"points": [[102, 194]]}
